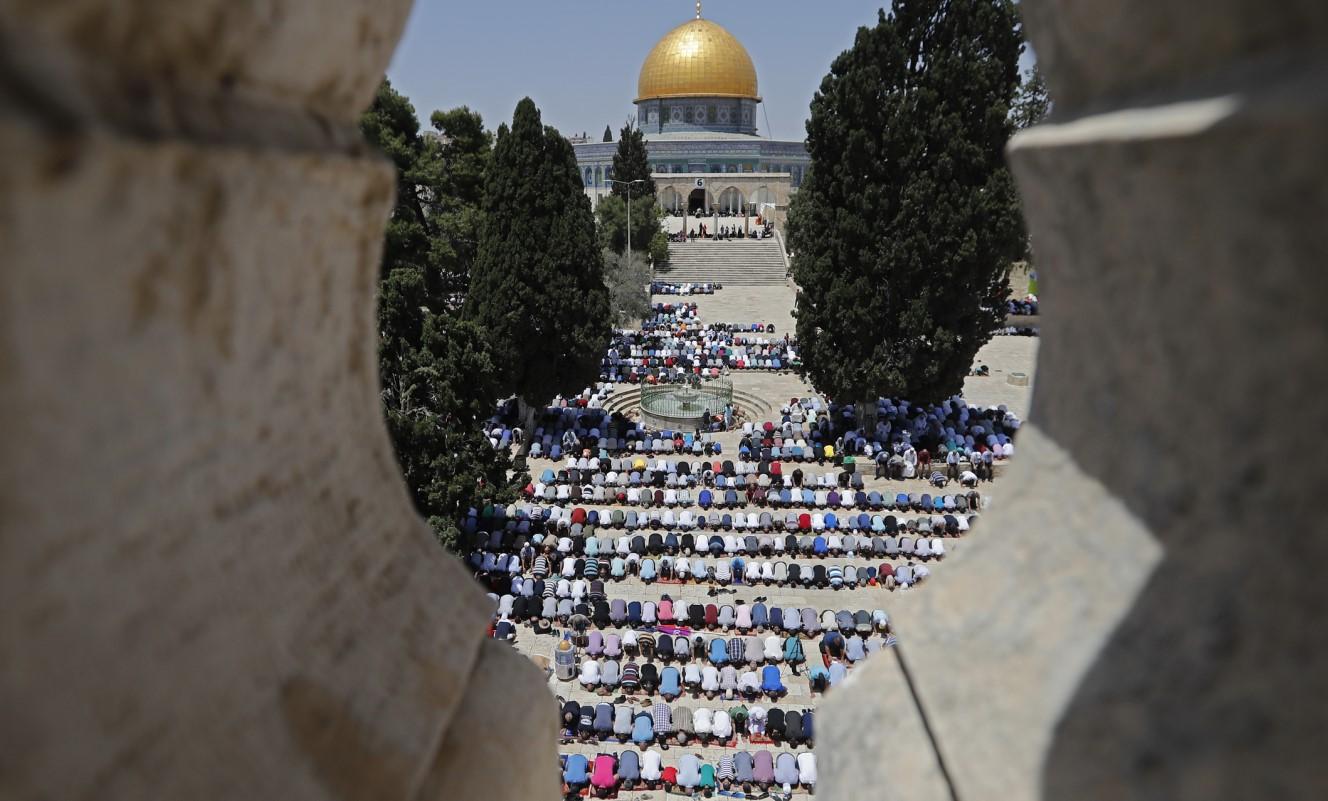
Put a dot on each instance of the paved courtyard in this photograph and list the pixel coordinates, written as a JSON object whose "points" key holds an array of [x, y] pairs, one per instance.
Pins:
{"points": [[774, 304]]}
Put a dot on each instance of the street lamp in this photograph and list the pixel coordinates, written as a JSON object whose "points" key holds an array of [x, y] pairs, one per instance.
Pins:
{"points": [[628, 184]]}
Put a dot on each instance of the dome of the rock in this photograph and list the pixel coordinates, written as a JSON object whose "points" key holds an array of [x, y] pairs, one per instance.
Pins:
{"points": [[699, 58]]}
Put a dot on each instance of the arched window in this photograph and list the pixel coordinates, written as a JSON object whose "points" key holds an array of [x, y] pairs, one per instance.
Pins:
{"points": [[590, 177]]}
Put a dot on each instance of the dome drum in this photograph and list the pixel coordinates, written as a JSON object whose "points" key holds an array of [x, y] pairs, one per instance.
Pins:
{"points": [[697, 113]]}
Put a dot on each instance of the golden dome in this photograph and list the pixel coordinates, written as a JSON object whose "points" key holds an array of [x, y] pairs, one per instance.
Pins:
{"points": [[697, 59]]}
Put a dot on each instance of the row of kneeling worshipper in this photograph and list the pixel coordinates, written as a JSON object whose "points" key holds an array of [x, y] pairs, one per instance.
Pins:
{"points": [[684, 620], [647, 723], [744, 770], [635, 357], [538, 525], [538, 592], [598, 432], [599, 564], [607, 676], [737, 493], [675, 288], [590, 584], [664, 617]]}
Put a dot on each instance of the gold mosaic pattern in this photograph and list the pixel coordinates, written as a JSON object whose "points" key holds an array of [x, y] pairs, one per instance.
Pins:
{"points": [[697, 58]]}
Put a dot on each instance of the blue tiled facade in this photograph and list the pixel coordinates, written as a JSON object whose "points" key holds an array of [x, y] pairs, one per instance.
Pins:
{"points": [[692, 152], [697, 114]]}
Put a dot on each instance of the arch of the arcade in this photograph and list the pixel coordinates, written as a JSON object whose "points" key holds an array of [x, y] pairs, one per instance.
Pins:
{"points": [[766, 194]]}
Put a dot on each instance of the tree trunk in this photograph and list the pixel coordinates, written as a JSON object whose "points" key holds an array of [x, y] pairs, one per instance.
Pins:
{"points": [[526, 414], [866, 412]]}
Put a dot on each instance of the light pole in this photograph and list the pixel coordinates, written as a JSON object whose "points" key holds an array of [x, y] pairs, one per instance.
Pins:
{"points": [[628, 184]]}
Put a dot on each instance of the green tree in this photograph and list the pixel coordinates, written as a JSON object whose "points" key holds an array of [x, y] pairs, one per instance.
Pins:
{"points": [[537, 288], [459, 157], [905, 228], [611, 214], [445, 455], [628, 278], [608, 133], [437, 371], [632, 163], [659, 249], [1032, 104]]}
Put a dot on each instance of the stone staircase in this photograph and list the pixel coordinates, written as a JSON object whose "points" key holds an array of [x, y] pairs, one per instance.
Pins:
{"points": [[747, 262]]}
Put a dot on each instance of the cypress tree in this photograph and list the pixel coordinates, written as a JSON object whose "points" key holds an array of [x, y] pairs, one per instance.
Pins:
{"points": [[537, 288], [905, 228], [631, 163], [608, 133], [438, 376], [1033, 104]]}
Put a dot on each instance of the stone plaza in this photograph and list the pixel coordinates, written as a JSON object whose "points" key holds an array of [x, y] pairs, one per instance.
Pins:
{"points": [[215, 585], [763, 393]]}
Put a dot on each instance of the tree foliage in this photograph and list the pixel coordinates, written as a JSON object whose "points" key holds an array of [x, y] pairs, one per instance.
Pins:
{"points": [[659, 249], [1032, 104], [608, 133], [537, 287], [611, 214], [437, 371], [628, 278], [904, 229], [632, 163], [450, 390], [459, 158]]}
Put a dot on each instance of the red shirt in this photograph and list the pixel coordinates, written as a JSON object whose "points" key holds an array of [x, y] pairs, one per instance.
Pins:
{"points": [[670, 775]]}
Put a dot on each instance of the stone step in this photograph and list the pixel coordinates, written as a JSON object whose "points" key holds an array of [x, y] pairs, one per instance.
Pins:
{"points": [[737, 263]]}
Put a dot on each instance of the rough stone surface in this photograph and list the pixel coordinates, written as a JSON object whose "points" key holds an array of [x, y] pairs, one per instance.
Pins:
{"points": [[1134, 623], [212, 583], [1141, 50], [1205, 367], [877, 722], [141, 56]]}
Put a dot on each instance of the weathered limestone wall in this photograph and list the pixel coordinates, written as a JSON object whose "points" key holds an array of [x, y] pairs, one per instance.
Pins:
{"points": [[212, 584], [1138, 616]]}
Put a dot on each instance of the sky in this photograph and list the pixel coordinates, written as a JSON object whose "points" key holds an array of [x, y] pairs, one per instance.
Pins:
{"points": [[579, 59]]}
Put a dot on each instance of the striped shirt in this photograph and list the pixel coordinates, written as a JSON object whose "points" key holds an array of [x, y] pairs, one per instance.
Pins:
{"points": [[631, 674], [726, 767], [645, 641]]}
